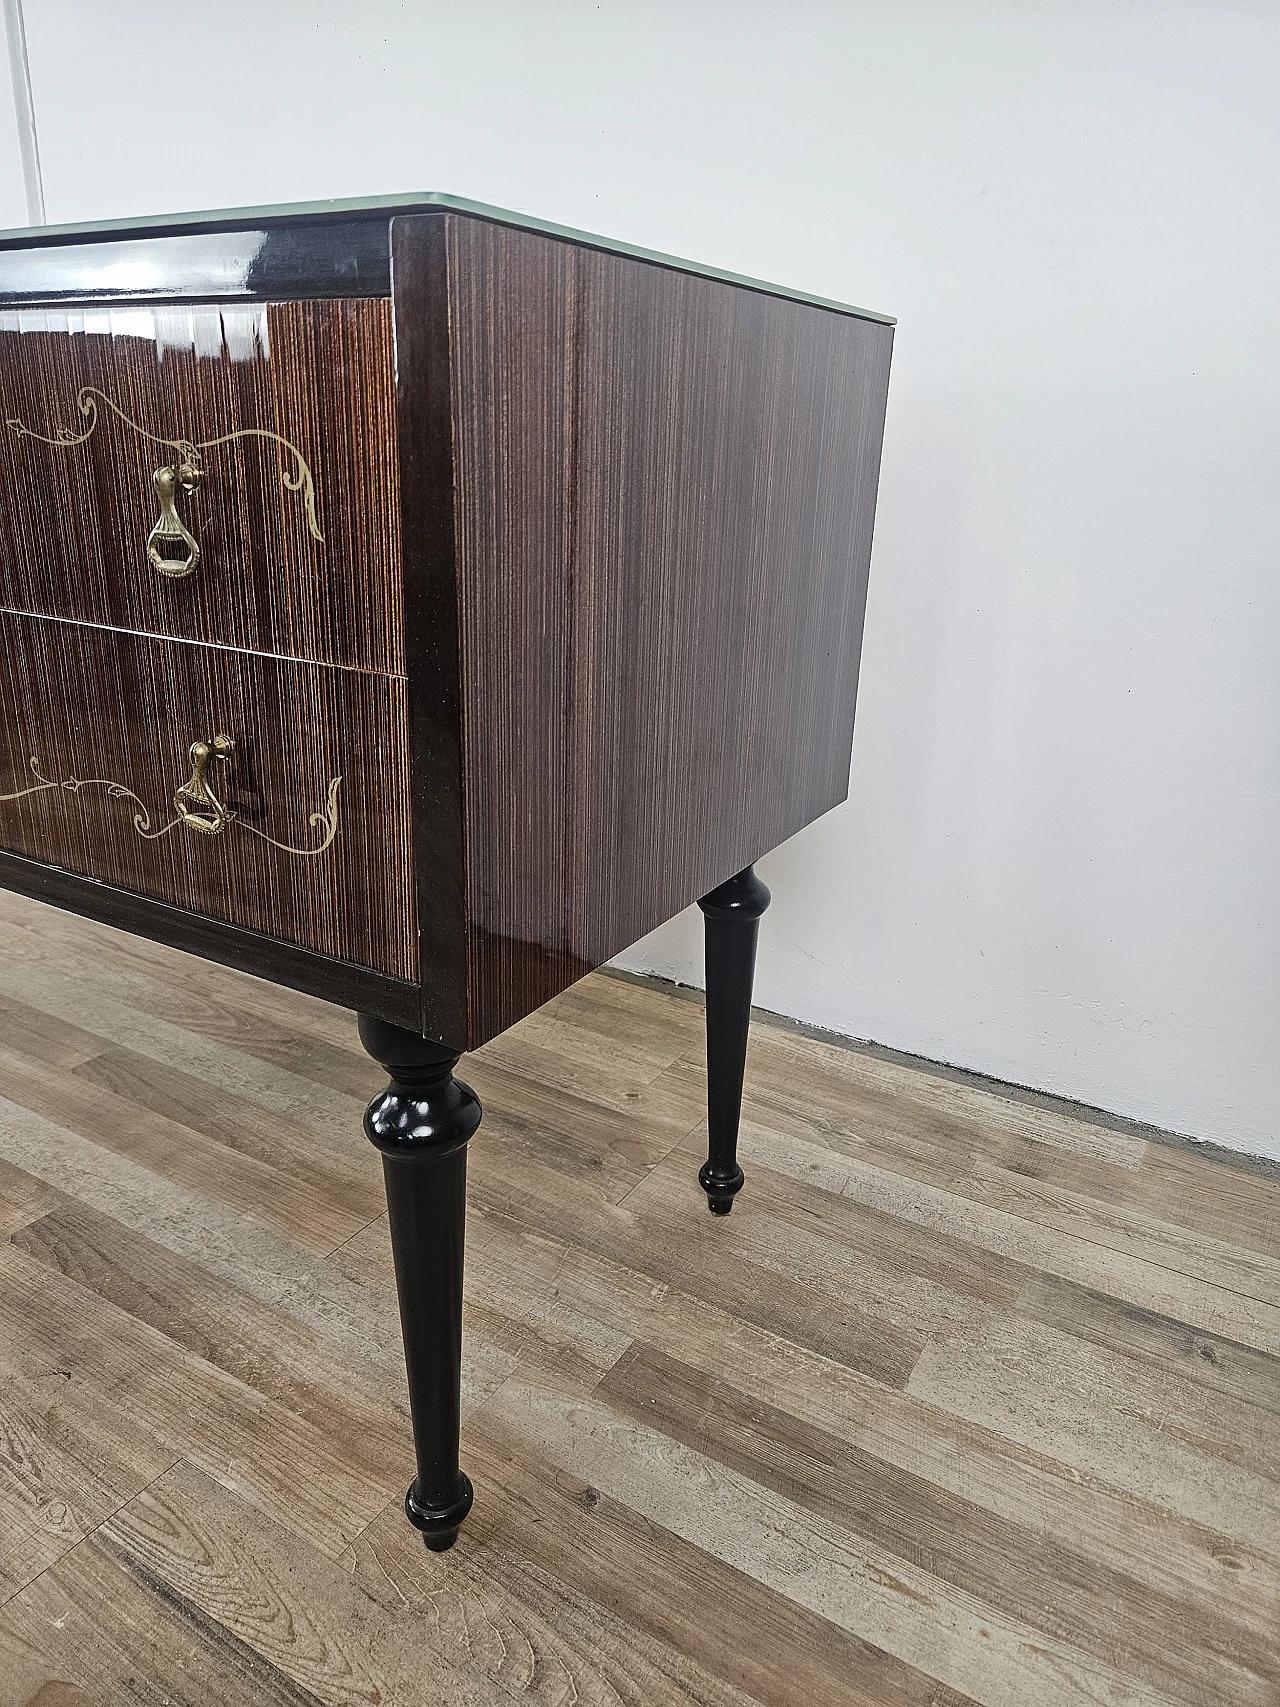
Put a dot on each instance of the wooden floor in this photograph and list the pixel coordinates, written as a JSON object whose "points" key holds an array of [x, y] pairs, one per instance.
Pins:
{"points": [[969, 1400]]}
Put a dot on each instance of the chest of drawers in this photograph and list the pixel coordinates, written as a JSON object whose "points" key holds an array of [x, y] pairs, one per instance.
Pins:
{"points": [[415, 604]]}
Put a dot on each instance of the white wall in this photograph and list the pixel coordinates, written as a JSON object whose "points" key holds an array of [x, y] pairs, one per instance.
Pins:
{"points": [[13, 207], [1058, 860]]}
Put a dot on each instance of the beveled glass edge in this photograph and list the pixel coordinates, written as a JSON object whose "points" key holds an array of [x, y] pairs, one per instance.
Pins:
{"points": [[34, 236]]}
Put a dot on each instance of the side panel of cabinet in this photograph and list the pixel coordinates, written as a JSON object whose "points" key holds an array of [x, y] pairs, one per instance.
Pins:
{"points": [[665, 490]]}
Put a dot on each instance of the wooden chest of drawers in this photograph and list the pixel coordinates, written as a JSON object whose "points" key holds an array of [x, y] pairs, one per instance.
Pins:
{"points": [[416, 604]]}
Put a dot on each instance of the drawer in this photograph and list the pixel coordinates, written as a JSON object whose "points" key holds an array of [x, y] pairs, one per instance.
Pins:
{"points": [[285, 416], [100, 774]]}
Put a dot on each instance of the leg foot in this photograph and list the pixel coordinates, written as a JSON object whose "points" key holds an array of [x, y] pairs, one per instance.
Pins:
{"points": [[732, 914], [439, 1524], [421, 1123], [720, 1186]]}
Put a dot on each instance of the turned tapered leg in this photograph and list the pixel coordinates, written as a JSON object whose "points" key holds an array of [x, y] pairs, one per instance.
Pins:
{"points": [[421, 1124], [732, 913]]}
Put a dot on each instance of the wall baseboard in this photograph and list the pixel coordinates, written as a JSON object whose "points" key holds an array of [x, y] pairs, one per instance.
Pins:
{"points": [[1082, 1111]]}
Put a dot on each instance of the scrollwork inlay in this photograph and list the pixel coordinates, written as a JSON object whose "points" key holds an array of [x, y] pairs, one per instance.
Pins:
{"points": [[325, 819], [116, 791], [87, 398]]}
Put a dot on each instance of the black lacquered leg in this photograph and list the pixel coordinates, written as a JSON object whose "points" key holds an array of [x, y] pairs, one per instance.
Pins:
{"points": [[421, 1124], [732, 914]]}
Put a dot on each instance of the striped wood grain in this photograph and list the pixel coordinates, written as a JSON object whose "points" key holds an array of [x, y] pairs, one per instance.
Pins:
{"points": [[74, 521], [661, 490], [89, 703], [902, 1430]]}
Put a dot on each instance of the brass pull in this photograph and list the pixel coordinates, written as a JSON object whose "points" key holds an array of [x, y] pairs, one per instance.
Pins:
{"points": [[196, 804], [169, 530]]}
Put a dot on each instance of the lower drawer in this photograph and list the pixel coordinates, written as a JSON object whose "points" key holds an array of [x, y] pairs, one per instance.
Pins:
{"points": [[270, 794]]}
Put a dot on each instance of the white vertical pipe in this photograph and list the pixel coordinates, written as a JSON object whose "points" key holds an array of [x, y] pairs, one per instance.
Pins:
{"points": [[24, 111]]}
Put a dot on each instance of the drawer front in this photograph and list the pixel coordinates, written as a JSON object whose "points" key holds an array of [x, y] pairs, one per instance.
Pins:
{"points": [[300, 831], [278, 422]]}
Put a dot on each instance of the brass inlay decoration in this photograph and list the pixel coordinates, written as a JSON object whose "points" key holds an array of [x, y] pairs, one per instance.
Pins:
{"points": [[117, 791], [188, 474], [325, 819], [196, 804]]}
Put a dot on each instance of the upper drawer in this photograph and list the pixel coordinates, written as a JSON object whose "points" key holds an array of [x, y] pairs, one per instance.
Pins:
{"points": [[284, 412]]}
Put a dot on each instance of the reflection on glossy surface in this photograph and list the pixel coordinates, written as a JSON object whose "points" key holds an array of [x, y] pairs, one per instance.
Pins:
{"points": [[223, 260], [205, 331], [421, 1124], [338, 258], [263, 433], [304, 219]]}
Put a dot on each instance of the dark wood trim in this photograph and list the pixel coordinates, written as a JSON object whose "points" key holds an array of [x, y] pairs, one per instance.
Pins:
{"points": [[424, 420], [287, 221], [251, 263], [348, 986]]}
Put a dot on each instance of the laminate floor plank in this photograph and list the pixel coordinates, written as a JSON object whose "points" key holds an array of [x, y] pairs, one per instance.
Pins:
{"points": [[1132, 1277], [526, 1191], [667, 1597], [297, 1610], [810, 1557], [974, 1401], [67, 1461], [185, 1404], [1232, 1202], [1190, 1373], [1056, 1396], [815, 1077], [647, 1018], [1031, 1197], [93, 1632], [290, 1201], [584, 1138], [528, 1629], [1043, 1495], [796, 1229], [506, 1307], [608, 1067], [1222, 1367], [238, 1250], [350, 1177], [103, 1005], [41, 1038], [287, 1361], [24, 1197], [301, 1034], [890, 1110], [1048, 1585]]}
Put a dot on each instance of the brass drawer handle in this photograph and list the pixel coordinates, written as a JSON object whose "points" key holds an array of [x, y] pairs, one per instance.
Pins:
{"points": [[169, 530], [197, 806]]}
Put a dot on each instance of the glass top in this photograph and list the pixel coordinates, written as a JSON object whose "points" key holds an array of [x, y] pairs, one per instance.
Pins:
{"points": [[222, 218]]}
